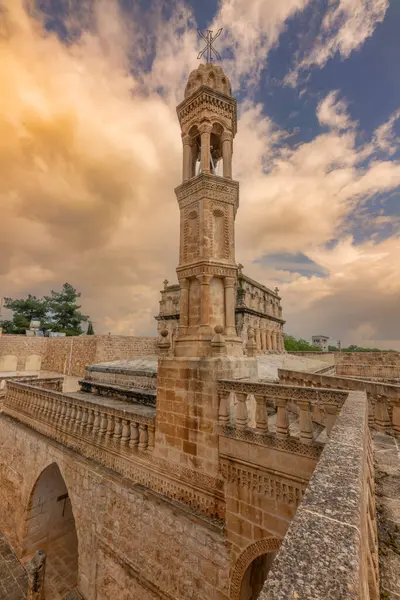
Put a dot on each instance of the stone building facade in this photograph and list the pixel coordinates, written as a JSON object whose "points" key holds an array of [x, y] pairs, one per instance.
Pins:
{"points": [[187, 491], [256, 306]]}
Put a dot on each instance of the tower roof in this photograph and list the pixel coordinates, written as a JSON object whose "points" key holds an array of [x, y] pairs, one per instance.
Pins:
{"points": [[210, 75]]}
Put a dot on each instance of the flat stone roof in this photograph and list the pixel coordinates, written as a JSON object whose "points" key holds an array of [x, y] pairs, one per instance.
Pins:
{"points": [[140, 365]]}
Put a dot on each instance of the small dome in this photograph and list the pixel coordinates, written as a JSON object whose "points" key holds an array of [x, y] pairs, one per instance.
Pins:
{"points": [[210, 75]]}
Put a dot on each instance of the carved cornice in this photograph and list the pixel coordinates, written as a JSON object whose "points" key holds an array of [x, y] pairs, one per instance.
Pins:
{"points": [[318, 396], [201, 268], [206, 99], [292, 444], [212, 187], [256, 313]]}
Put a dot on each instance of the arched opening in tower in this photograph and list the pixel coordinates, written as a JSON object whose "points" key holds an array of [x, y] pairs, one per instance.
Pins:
{"points": [[50, 526], [255, 576]]}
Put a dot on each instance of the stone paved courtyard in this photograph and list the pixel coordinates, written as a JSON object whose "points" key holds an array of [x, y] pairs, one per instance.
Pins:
{"points": [[13, 579], [387, 477]]}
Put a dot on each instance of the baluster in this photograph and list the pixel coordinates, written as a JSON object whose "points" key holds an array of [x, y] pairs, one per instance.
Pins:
{"points": [[57, 412], [110, 428], [126, 432], [382, 420], [53, 409], [134, 441], [305, 422], [282, 420], [96, 423], [223, 414], [150, 431], [90, 421], [78, 419], [396, 415], [261, 414], [45, 411], [143, 437], [103, 424], [330, 418], [72, 417], [62, 415], [85, 417], [117, 430], [241, 410], [67, 418]]}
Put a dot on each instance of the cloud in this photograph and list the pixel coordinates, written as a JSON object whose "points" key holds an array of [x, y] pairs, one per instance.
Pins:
{"points": [[333, 112], [385, 137], [90, 153], [345, 26]]}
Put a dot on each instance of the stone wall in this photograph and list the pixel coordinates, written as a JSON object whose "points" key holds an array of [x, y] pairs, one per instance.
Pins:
{"points": [[69, 355], [132, 543], [15, 351], [330, 550], [370, 364], [328, 357]]}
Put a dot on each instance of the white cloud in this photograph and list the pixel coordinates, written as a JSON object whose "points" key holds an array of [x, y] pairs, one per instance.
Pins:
{"points": [[332, 112], [346, 25]]}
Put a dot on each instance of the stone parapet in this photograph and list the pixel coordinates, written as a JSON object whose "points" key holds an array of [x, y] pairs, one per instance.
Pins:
{"points": [[383, 398], [370, 364], [119, 436], [330, 549]]}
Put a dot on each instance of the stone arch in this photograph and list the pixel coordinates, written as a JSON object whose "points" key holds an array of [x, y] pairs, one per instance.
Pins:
{"points": [[50, 525], [265, 546], [8, 362], [33, 362]]}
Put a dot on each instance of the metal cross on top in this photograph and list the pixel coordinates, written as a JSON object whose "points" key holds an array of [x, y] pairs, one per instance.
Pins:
{"points": [[209, 49]]}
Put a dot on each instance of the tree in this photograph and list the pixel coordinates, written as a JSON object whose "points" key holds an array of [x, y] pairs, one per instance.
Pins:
{"points": [[90, 330], [58, 312], [299, 345], [63, 311], [24, 311]]}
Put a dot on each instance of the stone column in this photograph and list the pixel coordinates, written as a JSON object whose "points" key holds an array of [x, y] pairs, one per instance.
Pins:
{"points": [[184, 305], [205, 131], [36, 574], [187, 157], [226, 140], [264, 340], [269, 340], [205, 281], [230, 325], [274, 344], [258, 339]]}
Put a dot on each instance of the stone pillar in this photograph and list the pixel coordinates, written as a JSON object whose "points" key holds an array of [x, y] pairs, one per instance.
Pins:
{"points": [[264, 346], [187, 158], [205, 281], [226, 140], [274, 342], [258, 339], [269, 343], [36, 573], [184, 305], [230, 325], [205, 131]]}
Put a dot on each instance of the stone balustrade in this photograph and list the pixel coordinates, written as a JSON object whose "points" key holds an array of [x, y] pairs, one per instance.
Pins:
{"points": [[65, 417], [383, 398], [243, 406], [331, 549]]}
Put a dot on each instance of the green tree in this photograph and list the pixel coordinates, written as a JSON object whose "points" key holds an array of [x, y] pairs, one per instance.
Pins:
{"points": [[63, 311], [24, 311], [299, 345], [90, 330]]}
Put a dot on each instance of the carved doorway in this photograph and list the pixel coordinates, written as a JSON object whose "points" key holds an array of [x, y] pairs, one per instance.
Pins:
{"points": [[255, 576], [50, 526], [251, 569]]}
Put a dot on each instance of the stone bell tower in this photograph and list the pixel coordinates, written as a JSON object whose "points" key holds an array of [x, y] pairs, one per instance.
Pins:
{"points": [[207, 347], [208, 200]]}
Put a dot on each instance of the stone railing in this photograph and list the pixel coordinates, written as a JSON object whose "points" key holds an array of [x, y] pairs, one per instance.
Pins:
{"points": [[77, 422], [383, 398], [331, 549], [117, 435], [243, 409]]}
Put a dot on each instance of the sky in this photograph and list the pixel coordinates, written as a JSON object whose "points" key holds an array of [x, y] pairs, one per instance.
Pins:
{"points": [[90, 154]]}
